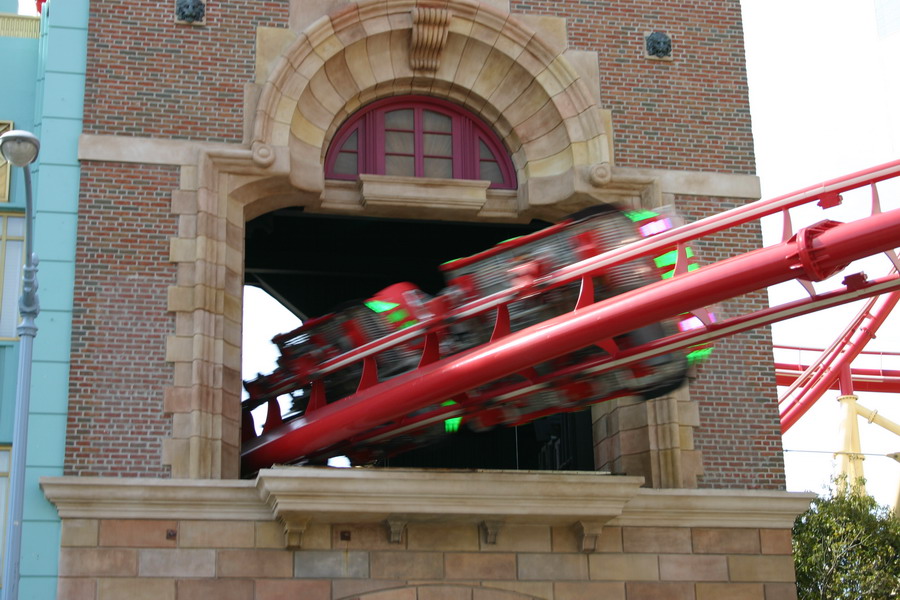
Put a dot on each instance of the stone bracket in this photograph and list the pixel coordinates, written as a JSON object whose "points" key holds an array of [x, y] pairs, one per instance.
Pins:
{"points": [[588, 532], [429, 36], [294, 528], [395, 530], [491, 529]]}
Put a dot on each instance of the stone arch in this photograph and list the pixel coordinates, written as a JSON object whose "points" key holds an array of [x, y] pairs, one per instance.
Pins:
{"points": [[486, 60], [424, 592]]}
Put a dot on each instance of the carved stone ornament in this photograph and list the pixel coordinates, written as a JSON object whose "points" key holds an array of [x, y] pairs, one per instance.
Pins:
{"points": [[659, 45], [600, 174], [429, 35], [263, 154], [192, 12]]}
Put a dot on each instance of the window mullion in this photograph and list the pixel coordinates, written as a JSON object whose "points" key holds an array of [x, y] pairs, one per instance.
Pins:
{"points": [[464, 147], [375, 141], [419, 141]]}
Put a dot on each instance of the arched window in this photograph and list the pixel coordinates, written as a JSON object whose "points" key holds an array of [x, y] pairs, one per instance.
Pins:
{"points": [[418, 136]]}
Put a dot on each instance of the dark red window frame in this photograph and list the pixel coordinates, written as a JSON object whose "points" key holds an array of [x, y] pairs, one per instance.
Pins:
{"points": [[468, 133]]}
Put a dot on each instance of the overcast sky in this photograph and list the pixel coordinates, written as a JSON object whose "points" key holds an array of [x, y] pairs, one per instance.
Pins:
{"points": [[823, 90]]}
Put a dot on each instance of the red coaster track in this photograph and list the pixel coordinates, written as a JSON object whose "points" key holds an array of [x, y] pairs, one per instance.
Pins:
{"points": [[408, 404]]}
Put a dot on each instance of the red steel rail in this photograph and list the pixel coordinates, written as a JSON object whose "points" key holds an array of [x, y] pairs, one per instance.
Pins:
{"points": [[814, 254], [880, 380], [864, 380], [832, 369]]}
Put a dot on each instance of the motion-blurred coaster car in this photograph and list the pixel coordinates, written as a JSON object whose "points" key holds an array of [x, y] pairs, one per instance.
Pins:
{"points": [[563, 384]]}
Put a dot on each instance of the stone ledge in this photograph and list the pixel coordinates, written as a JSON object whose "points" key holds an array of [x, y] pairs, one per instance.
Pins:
{"points": [[390, 193], [694, 183], [713, 508], [145, 150], [325, 495], [119, 498], [437, 495]]}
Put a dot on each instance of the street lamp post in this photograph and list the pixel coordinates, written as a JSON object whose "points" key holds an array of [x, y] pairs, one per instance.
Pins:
{"points": [[21, 148]]}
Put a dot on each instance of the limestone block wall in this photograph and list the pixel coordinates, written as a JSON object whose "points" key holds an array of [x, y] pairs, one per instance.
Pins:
{"points": [[180, 540], [105, 559]]}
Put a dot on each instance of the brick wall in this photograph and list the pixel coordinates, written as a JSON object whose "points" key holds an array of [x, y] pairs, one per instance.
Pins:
{"points": [[148, 76], [739, 432], [120, 323], [103, 559], [689, 113]]}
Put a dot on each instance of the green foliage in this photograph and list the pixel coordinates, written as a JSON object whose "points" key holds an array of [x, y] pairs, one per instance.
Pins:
{"points": [[847, 547]]}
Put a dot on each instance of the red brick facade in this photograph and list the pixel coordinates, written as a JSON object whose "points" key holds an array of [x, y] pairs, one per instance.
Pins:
{"points": [[149, 77], [739, 433], [120, 323], [690, 113]]}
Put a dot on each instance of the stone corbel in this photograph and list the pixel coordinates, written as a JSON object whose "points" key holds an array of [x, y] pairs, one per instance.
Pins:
{"points": [[395, 529], [588, 532], [622, 186], [429, 35], [294, 528], [491, 529]]}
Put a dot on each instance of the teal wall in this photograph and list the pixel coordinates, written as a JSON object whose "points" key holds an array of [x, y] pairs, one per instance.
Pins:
{"points": [[9, 7], [9, 360], [57, 120], [17, 104]]}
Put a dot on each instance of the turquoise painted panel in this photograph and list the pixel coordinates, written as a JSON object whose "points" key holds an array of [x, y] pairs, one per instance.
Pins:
{"points": [[70, 13], [9, 364], [60, 100], [16, 193], [49, 389], [66, 50], [46, 450], [40, 549], [18, 71], [10, 7], [55, 281], [59, 188], [36, 507], [54, 333], [55, 238], [37, 587], [64, 149], [65, 95]]}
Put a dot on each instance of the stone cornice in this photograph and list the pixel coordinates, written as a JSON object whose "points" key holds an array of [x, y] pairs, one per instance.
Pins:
{"points": [[303, 494], [146, 150], [414, 494], [713, 508], [115, 498], [690, 183]]}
